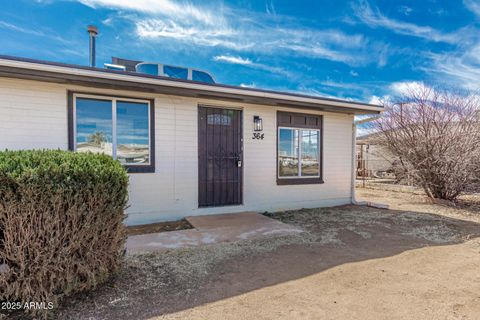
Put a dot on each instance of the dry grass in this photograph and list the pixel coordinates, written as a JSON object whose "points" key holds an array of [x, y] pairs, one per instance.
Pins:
{"points": [[175, 272], [182, 224], [467, 207], [173, 277]]}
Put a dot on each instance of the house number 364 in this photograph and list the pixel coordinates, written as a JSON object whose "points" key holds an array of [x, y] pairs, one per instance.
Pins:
{"points": [[257, 135]]}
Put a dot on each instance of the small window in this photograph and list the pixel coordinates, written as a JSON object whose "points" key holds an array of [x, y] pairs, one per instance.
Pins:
{"points": [[219, 119], [175, 72], [147, 68], [201, 76], [121, 128], [299, 149]]}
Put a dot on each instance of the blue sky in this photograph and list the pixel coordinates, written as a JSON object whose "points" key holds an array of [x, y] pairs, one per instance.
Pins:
{"points": [[358, 49]]}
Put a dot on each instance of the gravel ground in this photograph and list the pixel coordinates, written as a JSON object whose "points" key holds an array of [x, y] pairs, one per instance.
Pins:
{"points": [[234, 280], [467, 207]]}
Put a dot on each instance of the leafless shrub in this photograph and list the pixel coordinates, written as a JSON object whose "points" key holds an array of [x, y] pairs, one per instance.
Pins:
{"points": [[436, 136]]}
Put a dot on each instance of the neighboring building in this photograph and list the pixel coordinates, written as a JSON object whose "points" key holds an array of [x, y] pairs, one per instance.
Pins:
{"points": [[191, 148], [373, 159]]}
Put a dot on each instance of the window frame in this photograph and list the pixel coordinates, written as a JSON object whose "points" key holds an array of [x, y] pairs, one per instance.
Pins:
{"points": [[300, 152], [294, 180], [72, 125]]}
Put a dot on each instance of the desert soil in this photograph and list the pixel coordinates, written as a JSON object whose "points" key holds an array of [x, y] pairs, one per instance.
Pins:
{"points": [[159, 227], [415, 261]]}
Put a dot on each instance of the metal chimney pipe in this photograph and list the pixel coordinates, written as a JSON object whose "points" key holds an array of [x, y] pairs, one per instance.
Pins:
{"points": [[92, 31]]}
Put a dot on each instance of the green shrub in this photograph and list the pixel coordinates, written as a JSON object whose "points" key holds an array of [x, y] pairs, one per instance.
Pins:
{"points": [[61, 223]]}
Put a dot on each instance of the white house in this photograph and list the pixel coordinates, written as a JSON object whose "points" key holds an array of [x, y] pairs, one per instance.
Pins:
{"points": [[190, 148]]}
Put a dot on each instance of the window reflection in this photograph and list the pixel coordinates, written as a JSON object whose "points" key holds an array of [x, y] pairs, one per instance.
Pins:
{"points": [[94, 126], [310, 153], [94, 123], [201, 76], [148, 68], [298, 153], [175, 72], [132, 132], [288, 153]]}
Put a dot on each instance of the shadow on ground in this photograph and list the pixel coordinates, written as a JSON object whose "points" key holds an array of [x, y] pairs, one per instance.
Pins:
{"points": [[157, 284]]}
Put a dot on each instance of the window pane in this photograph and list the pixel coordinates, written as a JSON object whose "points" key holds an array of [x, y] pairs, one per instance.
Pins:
{"points": [[148, 68], [201, 76], [94, 126], [219, 119], [132, 133], [288, 153], [175, 72], [310, 153]]}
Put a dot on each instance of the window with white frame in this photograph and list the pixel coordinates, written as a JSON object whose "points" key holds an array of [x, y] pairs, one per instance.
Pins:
{"points": [[118, 127]]}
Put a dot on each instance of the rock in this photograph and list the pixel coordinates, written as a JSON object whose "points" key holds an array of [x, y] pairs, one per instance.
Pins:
{"points": [[3, 267]]}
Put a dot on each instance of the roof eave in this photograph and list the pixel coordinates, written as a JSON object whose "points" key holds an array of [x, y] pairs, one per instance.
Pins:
{"points": [[102, 78]]}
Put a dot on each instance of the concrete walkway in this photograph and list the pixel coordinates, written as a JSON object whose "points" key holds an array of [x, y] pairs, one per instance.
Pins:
{"points": [[211, 229]]}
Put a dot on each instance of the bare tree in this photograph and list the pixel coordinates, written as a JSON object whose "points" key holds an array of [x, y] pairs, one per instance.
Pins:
{"points": [[436, 136]]}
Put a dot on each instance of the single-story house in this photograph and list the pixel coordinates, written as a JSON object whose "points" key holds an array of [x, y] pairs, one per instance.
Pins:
{"points": [[190, 147]]}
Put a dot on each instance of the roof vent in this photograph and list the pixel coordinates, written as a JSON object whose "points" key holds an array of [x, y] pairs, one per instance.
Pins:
{"points": [[92, 31], [116, 67]]}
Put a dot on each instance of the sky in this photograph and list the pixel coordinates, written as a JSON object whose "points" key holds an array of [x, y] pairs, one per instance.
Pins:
{"points": [[359, 50]]}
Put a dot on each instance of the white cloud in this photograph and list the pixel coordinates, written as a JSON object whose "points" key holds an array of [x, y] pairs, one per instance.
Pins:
{"points": [[397, 90], [406, 10], [236, 29], [108, 21], [327, 44], [473, 5], [233, 60], [270, 8], [249, 63], [460, 69], [16, 28], [372, 17], [40, 32], [158, 29], [181, 10], [377, 100], [342, 85], [403, 87]]}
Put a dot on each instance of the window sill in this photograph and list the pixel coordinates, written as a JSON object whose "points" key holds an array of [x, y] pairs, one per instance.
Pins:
{"points": [[296, 181], [140, 169]]}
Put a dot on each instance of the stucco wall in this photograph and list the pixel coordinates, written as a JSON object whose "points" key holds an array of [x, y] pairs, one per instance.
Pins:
{"points": [[34, 115]]}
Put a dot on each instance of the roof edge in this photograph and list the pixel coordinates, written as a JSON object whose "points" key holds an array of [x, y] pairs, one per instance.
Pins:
{"points": [[80, 70]]}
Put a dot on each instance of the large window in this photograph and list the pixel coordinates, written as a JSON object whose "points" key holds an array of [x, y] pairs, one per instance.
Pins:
{"points": [[119, 127], [299, 148]]}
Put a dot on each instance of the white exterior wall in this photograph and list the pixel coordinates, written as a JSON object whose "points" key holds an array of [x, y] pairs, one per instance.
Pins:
{"points": [[33, 115]]}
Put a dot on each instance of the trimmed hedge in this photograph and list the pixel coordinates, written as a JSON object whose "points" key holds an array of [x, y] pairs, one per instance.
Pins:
{"points": [[61, 223]]}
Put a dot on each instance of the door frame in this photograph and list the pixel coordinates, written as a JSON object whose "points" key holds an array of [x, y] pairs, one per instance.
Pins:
{"points": [[242, 150]]}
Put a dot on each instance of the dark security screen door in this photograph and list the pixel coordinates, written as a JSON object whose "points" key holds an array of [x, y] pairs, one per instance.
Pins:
{"points": [[220, 160]]}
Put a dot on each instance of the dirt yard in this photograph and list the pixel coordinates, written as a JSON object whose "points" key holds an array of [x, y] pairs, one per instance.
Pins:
{"points": [[414, 261]]}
